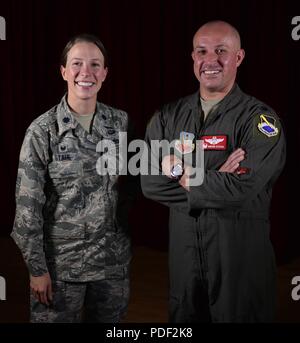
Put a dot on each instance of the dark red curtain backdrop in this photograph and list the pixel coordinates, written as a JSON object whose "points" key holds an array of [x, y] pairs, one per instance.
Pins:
{"points": [[149, 44]]}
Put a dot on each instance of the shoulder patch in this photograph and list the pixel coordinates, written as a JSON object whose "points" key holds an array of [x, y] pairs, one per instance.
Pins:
{"points": [[267, 125]]}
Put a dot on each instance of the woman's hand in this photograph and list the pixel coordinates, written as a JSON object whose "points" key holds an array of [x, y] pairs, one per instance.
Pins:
{"points": [[41, 287]]}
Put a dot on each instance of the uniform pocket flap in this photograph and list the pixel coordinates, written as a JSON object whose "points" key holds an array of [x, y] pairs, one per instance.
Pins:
{"points": [[67, 231], [115, 272], [64, 169]]}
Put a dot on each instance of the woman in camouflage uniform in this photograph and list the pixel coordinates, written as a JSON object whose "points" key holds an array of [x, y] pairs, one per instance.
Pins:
{"points": [[67, 221]]}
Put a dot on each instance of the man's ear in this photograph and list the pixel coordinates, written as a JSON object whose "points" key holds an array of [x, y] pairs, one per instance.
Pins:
{"points": [[63, 72], [193, 55], [239, 57]]}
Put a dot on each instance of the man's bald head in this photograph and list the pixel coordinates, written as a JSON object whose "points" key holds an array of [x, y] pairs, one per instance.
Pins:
{"points": [[221, 26], [217, 54]]}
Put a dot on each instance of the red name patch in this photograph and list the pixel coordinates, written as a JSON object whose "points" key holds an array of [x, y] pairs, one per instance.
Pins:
{"points": [[214, 142]]}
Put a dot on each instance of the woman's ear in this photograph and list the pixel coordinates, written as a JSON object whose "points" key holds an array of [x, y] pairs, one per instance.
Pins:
{"points": [[63, 72], [105, 74]]}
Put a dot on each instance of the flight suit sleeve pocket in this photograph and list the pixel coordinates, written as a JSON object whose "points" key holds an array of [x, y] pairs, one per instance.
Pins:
{"points": [[66, 169]]}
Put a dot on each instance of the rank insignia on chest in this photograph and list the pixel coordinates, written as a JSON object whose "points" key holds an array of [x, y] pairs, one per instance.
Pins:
{"points": [[214, 142], [62, 148], [64, 152], [185, 144], [267, 126]]}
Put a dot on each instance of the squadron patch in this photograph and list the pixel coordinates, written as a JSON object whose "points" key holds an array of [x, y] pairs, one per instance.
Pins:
{"points": [[185, 144], [267, 125]]}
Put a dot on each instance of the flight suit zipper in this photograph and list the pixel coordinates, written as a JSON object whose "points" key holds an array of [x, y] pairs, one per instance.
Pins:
{"points": [[200, 257], [199, 235]]}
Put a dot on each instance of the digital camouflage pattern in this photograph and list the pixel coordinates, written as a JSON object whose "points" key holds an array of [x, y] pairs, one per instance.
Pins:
{"points": [[104, 301], [67, 215]]}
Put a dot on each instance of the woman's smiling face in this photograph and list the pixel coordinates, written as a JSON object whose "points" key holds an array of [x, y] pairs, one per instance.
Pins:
{"points": [[84, 71]]}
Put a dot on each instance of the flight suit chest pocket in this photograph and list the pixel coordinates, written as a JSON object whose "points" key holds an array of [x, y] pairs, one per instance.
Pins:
{"points": [[65, 169]]}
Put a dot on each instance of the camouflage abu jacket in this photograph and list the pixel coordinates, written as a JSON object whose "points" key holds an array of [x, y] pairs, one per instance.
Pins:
{"points": [[66, 213]]}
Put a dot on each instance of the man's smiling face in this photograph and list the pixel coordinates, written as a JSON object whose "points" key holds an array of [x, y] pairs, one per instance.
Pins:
{"points": [[216, 56]]}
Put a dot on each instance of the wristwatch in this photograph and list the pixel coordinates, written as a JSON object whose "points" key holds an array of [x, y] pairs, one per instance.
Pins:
{"points": [[176, 171]]}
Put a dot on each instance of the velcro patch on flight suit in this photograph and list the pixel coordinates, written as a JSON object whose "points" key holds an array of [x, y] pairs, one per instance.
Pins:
{"points": [[266, 124], [185, 144], [214, 142]]}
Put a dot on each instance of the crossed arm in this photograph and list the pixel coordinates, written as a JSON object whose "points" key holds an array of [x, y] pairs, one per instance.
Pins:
{"points": [[230, 166]]}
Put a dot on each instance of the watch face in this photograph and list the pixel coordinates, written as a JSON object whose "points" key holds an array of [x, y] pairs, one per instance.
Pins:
{"points": [[177, 171]]}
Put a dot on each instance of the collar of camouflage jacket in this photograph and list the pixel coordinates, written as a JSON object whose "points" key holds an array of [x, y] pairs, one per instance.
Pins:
{"points": [[65, 119]]}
